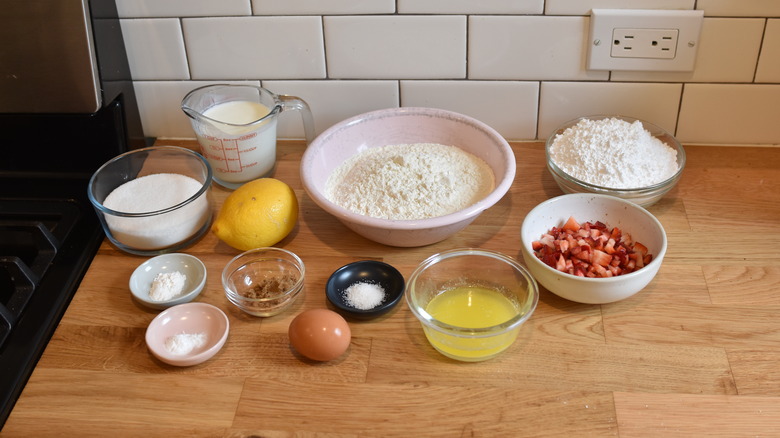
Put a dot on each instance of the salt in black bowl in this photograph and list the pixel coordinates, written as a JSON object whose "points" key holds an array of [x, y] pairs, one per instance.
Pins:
{"points": [[365, 271]]}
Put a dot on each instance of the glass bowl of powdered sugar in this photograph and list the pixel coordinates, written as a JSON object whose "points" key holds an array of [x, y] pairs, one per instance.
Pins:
{"points": [[615, 155], [153, 200]]}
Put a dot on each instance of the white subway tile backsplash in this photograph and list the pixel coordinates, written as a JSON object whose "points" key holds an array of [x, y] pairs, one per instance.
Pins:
{"points": [[333, 101], [319, 7], [508, 107], [583, 7], [528, 48], [563, 101], [155, 49], [517, 65], [769, 62], [739, 8], [159, 103], [730, 114], [396, 47], [255, 47], [470, 6], [182, 8], [728, 51]]}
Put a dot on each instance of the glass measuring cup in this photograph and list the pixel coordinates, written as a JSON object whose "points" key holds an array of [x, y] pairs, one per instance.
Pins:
{"points": [[236, 129]]}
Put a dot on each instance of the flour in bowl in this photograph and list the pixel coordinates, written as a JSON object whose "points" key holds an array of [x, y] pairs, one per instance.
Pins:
{"points": [[410, 181], [613, 153]]}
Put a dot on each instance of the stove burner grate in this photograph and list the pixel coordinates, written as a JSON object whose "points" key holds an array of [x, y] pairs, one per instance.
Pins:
{"points": [[31, 234]]}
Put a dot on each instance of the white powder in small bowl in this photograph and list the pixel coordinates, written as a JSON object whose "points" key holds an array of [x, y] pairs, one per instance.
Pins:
{"points": [[167, 286], [364, 295], [185, 343], [613, 153]]}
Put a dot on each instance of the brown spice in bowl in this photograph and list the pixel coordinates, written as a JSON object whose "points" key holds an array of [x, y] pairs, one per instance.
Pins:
{"points": [[270, 287]]}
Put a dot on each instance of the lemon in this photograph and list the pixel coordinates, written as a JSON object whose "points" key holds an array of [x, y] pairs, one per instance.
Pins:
{"points": [[259, 213]]}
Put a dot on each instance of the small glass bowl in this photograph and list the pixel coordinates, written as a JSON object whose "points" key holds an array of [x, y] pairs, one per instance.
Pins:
{"points": [[263, 281], [643, 196], [477, 275], [158, 231]]}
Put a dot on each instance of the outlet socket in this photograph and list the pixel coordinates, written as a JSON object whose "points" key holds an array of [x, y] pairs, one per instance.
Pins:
{"points": [[644, 43], [644, 39]]}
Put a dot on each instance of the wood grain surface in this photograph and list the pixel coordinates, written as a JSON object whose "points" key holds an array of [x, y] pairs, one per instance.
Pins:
{"points": [[694, 354]]}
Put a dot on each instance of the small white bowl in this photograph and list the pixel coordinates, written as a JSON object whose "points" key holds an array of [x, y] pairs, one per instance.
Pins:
{"points": [[190, 318], [142, 278], [612, 211]]}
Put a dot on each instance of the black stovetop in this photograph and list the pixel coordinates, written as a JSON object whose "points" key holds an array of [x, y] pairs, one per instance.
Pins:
{"points": [[49, 234]]}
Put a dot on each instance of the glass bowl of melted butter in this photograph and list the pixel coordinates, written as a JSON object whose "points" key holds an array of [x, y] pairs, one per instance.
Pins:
{"points": [[471, 303]]}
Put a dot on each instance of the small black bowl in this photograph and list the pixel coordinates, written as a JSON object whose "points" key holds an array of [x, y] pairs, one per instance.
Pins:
{"points": [[368, 271]]}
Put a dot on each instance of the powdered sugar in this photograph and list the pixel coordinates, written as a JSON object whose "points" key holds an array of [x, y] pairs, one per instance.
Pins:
{"points": [[410, 181], [185, 343], [167, 286], [613, 153]]}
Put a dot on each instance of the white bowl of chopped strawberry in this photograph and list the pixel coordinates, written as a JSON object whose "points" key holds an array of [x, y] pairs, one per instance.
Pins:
{"points": [[592, 249]]}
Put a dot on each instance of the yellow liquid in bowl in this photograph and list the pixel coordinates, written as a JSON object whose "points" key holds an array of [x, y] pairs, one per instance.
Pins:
{"points": [[471, 307]]}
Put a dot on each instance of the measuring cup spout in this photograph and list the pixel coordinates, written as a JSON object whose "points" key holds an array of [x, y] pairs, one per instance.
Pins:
{"points": [[191, 113]]}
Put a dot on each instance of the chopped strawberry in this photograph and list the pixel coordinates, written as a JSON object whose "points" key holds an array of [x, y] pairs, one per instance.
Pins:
{"points": [[590, 249], [600, 258], [561, 245], [547, 240], [571, 225], [561, 263], [609, 247]]}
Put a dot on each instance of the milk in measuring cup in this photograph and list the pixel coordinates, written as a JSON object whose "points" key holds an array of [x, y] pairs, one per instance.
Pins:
{"points": [[239, 153]]}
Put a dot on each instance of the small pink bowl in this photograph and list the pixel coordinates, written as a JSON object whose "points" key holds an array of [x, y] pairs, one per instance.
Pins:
{"points": [[406, 125], [191, 318]]}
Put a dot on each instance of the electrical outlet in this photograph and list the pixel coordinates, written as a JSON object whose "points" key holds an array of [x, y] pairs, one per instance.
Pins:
{"points": [[644, 39], [644, 43]]}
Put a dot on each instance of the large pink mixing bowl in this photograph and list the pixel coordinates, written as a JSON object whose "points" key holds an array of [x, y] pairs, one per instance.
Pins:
{"points": [[406, 126]]}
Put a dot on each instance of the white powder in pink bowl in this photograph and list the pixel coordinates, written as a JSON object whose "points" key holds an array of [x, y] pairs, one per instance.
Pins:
{"points": [[613, 153]]}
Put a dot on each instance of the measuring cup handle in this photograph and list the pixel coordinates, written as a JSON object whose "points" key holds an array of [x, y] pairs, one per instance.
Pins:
{"points": [[298, 104]]}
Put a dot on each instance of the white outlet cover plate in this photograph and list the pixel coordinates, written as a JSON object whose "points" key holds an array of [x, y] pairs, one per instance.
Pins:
{"points": [[604, 21]]}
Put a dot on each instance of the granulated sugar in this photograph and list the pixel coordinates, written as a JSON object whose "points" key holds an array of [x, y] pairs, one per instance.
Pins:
{"points": [[151, 193], [613, 153], [410, 181]]}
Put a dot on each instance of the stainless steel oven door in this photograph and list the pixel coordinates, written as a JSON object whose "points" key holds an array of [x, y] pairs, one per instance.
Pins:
{"points": [[47, 59]]}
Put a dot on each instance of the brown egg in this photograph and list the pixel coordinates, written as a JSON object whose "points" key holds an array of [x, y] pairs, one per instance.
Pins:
{"points": [[320, 334]]}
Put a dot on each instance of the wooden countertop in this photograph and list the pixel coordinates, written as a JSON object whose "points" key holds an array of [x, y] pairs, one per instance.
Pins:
{"points": [[694, 354]]}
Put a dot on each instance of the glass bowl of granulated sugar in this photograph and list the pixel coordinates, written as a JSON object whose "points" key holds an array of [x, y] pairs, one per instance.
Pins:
{"points": [[153, 200], [615, 155]]}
